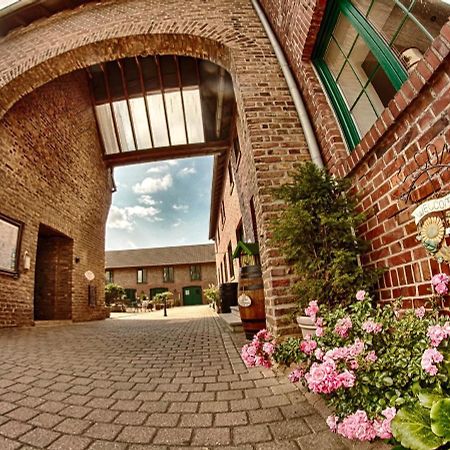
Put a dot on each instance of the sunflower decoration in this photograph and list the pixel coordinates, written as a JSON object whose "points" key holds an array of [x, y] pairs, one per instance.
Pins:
{"points": [[432, 233]]}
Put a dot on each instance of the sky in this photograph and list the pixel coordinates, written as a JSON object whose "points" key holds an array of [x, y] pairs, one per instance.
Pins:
{"points": [[160, 204]]}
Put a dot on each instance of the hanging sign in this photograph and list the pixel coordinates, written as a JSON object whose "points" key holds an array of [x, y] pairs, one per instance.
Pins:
{"points": [[244, 300]]}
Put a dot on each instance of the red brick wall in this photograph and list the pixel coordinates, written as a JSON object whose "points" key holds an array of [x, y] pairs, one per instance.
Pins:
{"points": [[418, 115], [127, 278], [52, 173], [227, 32]]}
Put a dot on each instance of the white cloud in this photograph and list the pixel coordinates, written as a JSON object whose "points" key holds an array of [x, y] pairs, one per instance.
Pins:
{"points": [[184, 208], [177, 223], [118, 219], [150, 185], [147, 200], [187, 171], [124, 218]]}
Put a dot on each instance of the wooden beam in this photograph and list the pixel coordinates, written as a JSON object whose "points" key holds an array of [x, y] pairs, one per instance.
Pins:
{"points": [[219, 107], [169, 152]]}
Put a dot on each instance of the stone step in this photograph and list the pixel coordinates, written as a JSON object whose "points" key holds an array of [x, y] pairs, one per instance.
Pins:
{"points": [[235, 311], [51, 323], [232, 322]]}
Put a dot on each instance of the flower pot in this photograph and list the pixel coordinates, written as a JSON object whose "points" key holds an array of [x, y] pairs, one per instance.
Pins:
{"points": [[306, 325]]}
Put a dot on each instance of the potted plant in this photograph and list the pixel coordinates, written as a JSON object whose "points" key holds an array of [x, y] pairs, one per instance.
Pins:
{"points": [[212, 294], [315, 233]]}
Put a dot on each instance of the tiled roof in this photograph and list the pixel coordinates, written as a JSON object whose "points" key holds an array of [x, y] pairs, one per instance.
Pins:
{"points": [[145, 257]]}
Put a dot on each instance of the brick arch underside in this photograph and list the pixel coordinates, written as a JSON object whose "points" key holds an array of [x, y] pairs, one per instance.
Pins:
{"points": [[228, 34]]}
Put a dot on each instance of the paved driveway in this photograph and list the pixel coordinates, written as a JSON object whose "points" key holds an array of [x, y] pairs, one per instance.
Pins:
{"points": [[142, 381]]}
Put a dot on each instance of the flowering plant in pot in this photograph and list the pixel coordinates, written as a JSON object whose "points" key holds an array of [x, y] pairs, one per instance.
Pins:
{"points": [[315, 233], [369, 363]]}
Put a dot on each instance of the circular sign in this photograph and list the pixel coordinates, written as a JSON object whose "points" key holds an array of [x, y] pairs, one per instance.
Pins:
{"points": [[244, 300], [89, 275]]}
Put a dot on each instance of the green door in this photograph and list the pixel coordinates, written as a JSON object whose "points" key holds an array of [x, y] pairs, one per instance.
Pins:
{"points": [[192, 295], [155, 291]]}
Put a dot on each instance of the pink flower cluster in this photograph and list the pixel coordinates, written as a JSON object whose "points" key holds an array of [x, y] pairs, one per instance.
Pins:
{"points": [[346, 353], [420, 312], [307, 346], [360, 295], [430, 358], [324, 378], [259, 351], [319, 327], [312, 310], [296, 375], [369, 326], [358, 426], [371, 356], [440, 283], [438, 333], [343, 326]]}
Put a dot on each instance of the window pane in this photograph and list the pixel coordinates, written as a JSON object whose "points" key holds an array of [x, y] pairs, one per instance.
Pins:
{"points": [[123, 125], [175, 117], [364, 115], [386, 17], [106, 125], [349, 85], [345, 34], [380, 90], [158, 120], [139, 115], [194, 120], [334, 58]]}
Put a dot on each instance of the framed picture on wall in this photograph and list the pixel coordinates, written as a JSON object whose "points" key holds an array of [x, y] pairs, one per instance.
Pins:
{"points": [[10, 239]]}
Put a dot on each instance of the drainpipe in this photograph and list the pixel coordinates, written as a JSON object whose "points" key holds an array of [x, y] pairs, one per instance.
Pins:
{"points": [[305, 121]]}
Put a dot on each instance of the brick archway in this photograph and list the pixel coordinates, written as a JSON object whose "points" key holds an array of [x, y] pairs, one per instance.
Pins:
{"points": [[227, 33]]}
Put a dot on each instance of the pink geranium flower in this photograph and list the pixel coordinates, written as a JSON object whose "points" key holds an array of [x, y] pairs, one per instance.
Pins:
{"points": [[296, 375], [357, 426], [420, 312], [343, 326], [307, 346], [360, 295], [371, 356], [312, 310], [437, 334], [431, 357], [369, 326]]}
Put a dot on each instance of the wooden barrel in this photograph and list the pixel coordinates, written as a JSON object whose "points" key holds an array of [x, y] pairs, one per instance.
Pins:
{"points": [[253, 316]]}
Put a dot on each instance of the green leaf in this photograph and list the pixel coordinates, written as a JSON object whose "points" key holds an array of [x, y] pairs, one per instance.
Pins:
{"points": [[412, 427], [428, 398], [440, 418]]}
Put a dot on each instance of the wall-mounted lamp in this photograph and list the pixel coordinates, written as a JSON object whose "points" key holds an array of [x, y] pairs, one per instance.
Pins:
{"points": [[77, 259], [26, 261]]}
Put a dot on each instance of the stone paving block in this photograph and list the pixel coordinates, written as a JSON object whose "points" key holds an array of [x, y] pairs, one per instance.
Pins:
{"points": [[202, 396], [276, 400], [163, 420], [230, 395], [102, 415], [230, 419], [214, 407], [9, 444], [124, 395], [73, 426], [149, 396], [127, 405], [265, 415], [76, 412], [289, 429], [242, 385], [100, 403], [107, 431], [245, 404], [70, 443], [316, 423], [251, 434], [175, 396], [321, 441], [46, 420], [196, 420], [40, 437], [136, 434], [177, 436], [212, 436], [297, 410], [183, 407], [194, 387], [23, 414], [150, 407], [6, 407], [281, 445], [105, 445], [257, 392], [14, 429], [131, 418]]}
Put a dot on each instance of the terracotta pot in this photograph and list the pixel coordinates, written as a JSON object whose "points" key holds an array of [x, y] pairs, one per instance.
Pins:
{"points": [[306, 325]]}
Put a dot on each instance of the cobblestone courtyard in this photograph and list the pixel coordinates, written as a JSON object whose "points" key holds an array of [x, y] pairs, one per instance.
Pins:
{"points": [[146, 382]]}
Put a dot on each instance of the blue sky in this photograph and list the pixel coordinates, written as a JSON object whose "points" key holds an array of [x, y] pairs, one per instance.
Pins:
{"points": [[160, 204]]}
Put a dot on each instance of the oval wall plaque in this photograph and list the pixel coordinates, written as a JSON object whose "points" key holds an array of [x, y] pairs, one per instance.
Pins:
{"points": [[244, 300]]}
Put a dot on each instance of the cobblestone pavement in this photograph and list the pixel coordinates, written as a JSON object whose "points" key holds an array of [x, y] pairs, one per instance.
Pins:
{"points": [[132, 383]]}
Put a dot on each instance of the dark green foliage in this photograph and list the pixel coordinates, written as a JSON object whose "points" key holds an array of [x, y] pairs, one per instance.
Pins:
{"points": [[315, 234], [113, 293]]}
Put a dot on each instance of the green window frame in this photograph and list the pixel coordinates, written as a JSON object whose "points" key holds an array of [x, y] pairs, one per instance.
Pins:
{"points": [[385, 56], [168, 274], [196, 272], [109, 276], [141, 276]]}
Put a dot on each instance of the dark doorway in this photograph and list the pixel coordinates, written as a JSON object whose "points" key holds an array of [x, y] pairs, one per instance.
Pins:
{"points": [[53, 276], [192, 295]]}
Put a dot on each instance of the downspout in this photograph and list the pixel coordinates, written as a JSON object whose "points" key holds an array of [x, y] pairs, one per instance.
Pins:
{"points": [[305, 121]]}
